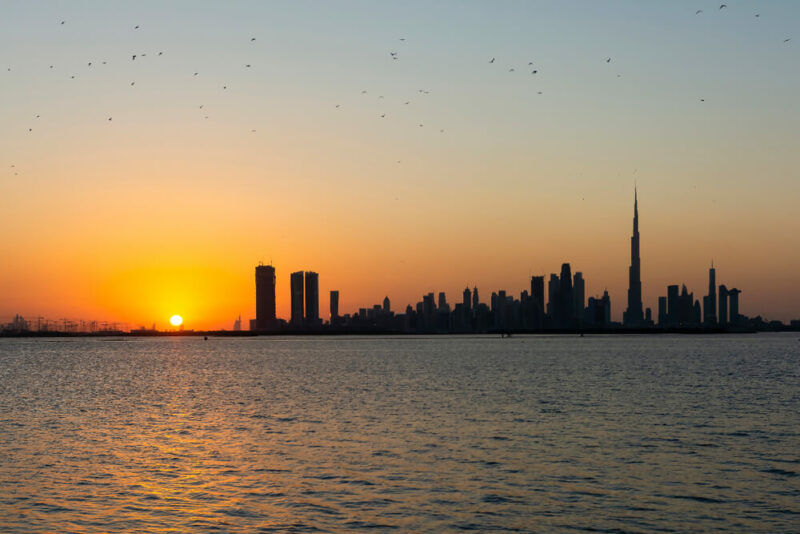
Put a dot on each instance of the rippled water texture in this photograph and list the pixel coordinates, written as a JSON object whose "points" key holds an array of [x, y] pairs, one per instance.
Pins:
{"points": [[636, 433]]}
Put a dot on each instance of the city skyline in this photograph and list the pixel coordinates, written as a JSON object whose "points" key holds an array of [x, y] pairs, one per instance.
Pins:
{"points": [[391, 148]]}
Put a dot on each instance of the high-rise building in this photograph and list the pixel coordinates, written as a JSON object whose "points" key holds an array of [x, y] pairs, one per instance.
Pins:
{"points": [[537, 294], [466, 301], [475, 300], [312, 298], [733, 301], [710, 308], [387, 307], [578, 295], [565, 305], [265, 297], [633, 316], [334, 305], [443, 306], [662, 311], [296, 282], [723, 305], [673, 304], [553, 286]]}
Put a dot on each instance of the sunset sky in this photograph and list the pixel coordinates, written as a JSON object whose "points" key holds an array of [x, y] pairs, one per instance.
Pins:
{"points": [[162, 211]]}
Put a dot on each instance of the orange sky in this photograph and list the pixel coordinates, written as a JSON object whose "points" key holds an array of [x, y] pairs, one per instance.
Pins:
{"points": [[162, 210]]}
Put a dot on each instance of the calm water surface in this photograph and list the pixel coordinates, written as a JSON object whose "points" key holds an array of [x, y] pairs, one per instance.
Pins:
{"points": [[634, 434]]}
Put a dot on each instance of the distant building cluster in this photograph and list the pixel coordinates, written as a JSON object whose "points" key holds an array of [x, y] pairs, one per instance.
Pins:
{"points": [[560, 304]]}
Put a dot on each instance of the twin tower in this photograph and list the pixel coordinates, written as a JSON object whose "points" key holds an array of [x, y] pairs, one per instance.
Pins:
{"points": [[305, 299]]}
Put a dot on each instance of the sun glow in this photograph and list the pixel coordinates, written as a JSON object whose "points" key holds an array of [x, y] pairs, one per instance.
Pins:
{"points": [[176, 320]]}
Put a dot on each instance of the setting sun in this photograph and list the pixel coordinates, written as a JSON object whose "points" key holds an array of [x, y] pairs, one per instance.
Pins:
{"points": [[176, 320]]}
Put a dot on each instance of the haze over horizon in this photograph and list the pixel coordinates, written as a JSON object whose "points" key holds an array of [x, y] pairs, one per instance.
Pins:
{"points": [[135, 189]]}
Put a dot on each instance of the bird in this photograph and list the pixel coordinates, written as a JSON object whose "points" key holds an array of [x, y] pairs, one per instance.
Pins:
{"points": [[201, 106], [392, 54], [511, 69], [30, 129], [723, 5], [196, 73], [420, 125], [364, 92], [247, 66], [224, 86], [530, 63], [406, 103], [109, 118], [338, 105], [702, 100], [787, 40], [380, 96], [252, 130], [62, 22], [402, 38], [441, 131], [758, 15], [51, 66], [608, 60], [534, 71], [103, 64], [37, 116], [133, 57], [160, 53], [539, 93], [133, 83], [491, 60], [252, 39], [90, 64], [698, 11], [72, 77], [136, 27], [383, 115]]}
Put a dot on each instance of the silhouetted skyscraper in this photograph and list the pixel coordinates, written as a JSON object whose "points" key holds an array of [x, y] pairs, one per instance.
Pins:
{"points": [[475, 300], [565, 304], [537, 296], [673, 305], [710, 302], [387, 307], [265, 297], [578, 296], [312, 298], [467, 301], [334, 305], [633, 316], [296, 282], [733, 300], [723, 305], [663, 320], [553, 286]]}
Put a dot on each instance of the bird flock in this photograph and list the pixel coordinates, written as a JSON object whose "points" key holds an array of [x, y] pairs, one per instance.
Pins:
{"points": [[533, 70]]}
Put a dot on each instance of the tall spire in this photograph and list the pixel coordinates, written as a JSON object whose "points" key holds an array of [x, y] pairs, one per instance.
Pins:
{"points": [[634, 316]]}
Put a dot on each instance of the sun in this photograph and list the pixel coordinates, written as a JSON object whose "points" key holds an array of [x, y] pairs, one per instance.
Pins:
{"points": [[176, 320]]}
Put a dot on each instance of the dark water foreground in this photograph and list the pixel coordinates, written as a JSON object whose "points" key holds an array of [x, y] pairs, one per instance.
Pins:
{"points": [[636, 433]]}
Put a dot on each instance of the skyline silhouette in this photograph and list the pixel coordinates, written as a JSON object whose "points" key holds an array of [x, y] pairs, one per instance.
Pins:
{"points": [[152, 153]]}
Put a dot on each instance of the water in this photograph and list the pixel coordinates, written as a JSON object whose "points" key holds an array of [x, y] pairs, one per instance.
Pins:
{"points": [[634, 433]]}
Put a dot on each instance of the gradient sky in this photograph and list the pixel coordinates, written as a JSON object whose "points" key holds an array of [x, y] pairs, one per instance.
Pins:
{"points": [[163, 211]]}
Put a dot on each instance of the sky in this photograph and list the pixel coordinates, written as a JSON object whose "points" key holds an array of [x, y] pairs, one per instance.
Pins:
{"points": [[122, 199]]}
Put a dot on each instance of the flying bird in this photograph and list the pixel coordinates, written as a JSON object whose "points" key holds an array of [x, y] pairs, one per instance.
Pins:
{"points": [[402, 38], [337, 105], [758, 15], [698, 11], [132, 83], [534, 71], [511, 70], [196, 73], [109, 118], [383, 115], [136, 27], [160, 53], [787, 40], [133, 57], [90, 64], [491, 60], [247, 66], [723, 5], [62, 22], [608, 60], [252, 39]]}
